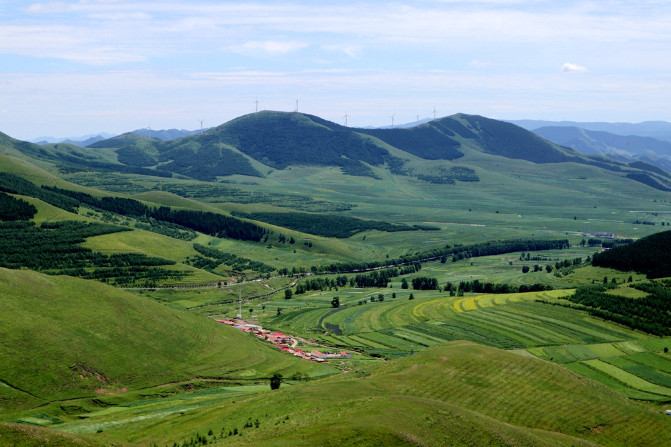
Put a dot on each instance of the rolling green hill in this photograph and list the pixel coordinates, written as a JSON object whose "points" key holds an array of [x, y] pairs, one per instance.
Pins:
{"points": [[251, 144], [459, 393], [122, 365], [64, 338]]}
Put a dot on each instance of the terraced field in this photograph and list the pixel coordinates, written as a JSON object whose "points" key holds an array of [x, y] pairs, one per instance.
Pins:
{"points": [[629, 362], [506, 321]]}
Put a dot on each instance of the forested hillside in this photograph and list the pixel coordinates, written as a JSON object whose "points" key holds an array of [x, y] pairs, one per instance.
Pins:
{"points": [[650, 255]]}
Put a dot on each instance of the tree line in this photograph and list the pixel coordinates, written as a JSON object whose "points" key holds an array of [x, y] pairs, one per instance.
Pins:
{"points": [[476, 286], [651, 314], [15, 209], [212, 224], [55, 248], [648, 255], [377, 279], [14, 184], [489, 248], [215, 257], [326, 225]]}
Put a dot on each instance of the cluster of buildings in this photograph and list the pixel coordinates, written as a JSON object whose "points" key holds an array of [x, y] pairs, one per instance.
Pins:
{"points": [[284, 342], [600, 235]]}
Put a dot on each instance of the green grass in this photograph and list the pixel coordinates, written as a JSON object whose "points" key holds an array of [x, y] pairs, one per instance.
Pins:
{"points": [[17, 435], [453, 394], [65, 338]]}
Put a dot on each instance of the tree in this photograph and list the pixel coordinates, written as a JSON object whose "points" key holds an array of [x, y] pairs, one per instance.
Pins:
{"points": [[411, 297], [525, 269], [288, 294], [548, 268], [335, 302], [275, 381], [404, 283]]}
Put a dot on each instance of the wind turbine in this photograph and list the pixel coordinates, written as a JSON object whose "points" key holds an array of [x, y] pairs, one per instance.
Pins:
{"points": [[256, 102], [434, 112], [392, 120], [201, 125], [296, 106], [346, 116]]}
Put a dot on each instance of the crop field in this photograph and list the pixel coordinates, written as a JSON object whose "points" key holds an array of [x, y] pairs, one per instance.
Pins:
{"points": [[630, 362], [639, 369], [399, 325]]}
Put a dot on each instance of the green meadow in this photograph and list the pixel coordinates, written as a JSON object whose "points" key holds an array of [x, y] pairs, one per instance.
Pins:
{"points": [[85, 363]]}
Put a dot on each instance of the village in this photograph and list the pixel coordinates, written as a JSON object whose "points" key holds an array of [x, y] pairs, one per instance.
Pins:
{"points": [[284, 342]]}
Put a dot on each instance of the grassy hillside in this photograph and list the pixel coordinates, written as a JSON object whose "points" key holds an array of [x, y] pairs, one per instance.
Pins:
{"points": [[454, 394], [63, 338], [280, 140], [16, 435]]}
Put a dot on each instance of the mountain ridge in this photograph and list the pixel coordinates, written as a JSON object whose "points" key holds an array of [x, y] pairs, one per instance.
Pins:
{"points": [[257, 144]]}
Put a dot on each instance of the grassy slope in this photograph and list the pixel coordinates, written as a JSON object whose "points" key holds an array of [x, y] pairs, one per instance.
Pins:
{"points": [[29, 436], [454, 394], [63, 338]]}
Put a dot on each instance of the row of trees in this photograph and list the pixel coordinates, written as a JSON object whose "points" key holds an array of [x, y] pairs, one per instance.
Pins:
{"points": [[215, 257], [457, 251], [377, 278], [56, 248], [327, 225], [651, 314], [209, 223], [476, 286], [15, 184]]}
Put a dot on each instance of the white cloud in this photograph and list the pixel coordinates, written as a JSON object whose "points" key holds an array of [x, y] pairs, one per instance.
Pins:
{"points": [[268, 47], [573, 68], [477, 55]]}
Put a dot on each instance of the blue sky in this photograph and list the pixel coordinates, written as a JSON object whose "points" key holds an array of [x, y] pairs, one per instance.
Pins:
{"points": [[70, 68]]}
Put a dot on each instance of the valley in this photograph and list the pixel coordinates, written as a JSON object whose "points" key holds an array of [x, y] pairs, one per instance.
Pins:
{"points": [[449, 259]]}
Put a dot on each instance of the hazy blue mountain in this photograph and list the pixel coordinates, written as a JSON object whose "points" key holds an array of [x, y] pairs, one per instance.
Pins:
{"points": [[599, 142], [624, 148], [82, 141], [167, 134], [660, 130]]}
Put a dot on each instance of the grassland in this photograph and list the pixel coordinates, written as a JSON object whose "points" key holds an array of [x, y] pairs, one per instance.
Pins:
{"points": [[64, 338], [168, 374], [441, 396]]}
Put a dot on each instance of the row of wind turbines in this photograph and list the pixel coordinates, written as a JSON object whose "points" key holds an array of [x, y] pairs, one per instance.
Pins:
{"points": [[256, 110], [345, 117]]}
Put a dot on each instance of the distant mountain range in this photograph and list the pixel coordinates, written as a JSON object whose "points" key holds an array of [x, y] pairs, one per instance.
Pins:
{"points": [[660, 130], [628, 148], [441, 151], [88, 140], [83, 141], [279, 140]]}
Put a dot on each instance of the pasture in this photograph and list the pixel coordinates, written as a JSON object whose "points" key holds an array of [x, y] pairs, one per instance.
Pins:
{"points": [[439, 396]]}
